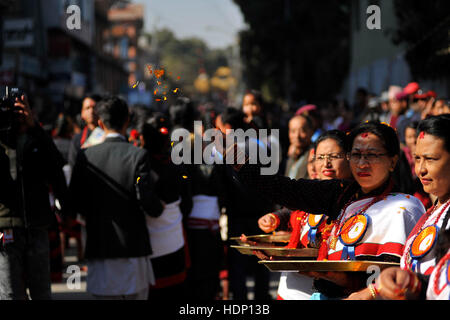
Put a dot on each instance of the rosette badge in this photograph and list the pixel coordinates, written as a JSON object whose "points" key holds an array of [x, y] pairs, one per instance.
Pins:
{"points": [[351, 233], [422, 244]]}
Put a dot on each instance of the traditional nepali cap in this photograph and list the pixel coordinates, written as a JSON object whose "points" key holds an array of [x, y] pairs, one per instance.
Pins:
{"points": [[411, 88], [305, 108], [401, 96], [432, 94], [421, 94], [393, 90]]}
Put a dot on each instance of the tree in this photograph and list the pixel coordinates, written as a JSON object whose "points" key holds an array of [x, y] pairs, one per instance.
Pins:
{"points": [[295, 50], [424, 26], [186, 58]]}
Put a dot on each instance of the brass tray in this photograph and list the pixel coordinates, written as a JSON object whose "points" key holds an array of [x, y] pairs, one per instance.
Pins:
{"points": [[264, 238], [323, 266], [278, 251]]}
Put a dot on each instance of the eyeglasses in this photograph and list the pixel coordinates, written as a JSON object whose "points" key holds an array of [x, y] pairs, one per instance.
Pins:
{"points": [[370, 157], [329, 157]]}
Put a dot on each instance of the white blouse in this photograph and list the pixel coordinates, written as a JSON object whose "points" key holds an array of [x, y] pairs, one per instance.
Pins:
{"points": [[427, 262], [439, 284]]}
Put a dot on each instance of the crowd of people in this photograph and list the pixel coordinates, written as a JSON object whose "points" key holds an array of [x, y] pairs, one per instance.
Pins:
{"points": [[367, 182]]}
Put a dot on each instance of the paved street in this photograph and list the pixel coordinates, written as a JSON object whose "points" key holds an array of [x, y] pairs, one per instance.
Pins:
{"points": [[61, 291]]}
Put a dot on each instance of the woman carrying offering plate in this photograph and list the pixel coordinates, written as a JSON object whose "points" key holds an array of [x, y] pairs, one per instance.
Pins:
{"points": [[373, 220], [330, 162], [426, 249]]}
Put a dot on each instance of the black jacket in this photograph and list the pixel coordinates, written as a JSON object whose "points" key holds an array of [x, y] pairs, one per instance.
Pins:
{"points": [[24, 202], [240, 201], [111, 186], [75, 145]]}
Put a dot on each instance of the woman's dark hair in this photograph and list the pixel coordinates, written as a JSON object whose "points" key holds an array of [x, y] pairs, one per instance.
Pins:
{"points": [[412, 125], [337, 135], [156, 133], [257, 95], [233, 117], [183, 113], [438, 126], [403, 181], [386, 133]]}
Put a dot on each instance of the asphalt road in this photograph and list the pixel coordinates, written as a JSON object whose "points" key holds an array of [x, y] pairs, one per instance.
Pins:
{"points": [[67, 289]]}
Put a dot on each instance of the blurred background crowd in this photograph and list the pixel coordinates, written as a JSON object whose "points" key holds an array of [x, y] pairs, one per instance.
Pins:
{"points": [[289, 58]]}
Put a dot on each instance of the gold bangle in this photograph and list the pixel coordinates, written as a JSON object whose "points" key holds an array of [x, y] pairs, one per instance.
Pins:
{"points": [[413, 287], [416, 284], [372, 291], [274, 217]]}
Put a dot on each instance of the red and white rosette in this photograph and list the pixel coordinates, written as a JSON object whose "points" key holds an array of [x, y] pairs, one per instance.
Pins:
{"points": [[422, 244], [351, 233]]}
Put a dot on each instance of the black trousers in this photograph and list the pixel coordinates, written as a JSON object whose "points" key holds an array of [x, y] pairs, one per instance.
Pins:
{"points": [[206, 252], [24, 263], [242, 266]]}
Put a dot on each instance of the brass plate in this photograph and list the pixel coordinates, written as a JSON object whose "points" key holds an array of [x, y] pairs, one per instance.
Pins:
{"points": [[278, 251], [264, 238], [319, 266]]}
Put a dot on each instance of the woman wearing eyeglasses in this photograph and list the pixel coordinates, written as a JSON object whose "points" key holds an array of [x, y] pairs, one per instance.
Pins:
{"points": [[372, 219], [427, 249], [329, 162]]}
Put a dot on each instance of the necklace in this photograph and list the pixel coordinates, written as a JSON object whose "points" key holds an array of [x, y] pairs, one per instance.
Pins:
{"points": [[441, 263], [340, 222], [429, 213]]}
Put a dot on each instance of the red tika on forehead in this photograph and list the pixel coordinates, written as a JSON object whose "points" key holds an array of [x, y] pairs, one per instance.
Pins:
{"points": [[421, 135], [364, 135]]}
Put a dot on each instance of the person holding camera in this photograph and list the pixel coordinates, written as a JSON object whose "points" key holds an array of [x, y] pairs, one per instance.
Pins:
{"points": [[29, 164]]}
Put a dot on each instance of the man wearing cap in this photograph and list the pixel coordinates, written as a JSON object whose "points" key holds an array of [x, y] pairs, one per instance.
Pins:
{"points": [[396, 105], [311, 111], [417, 101], [384, 106]]}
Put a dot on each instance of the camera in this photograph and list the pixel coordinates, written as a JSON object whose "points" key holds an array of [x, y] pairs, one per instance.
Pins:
{"points": [[7, 108]]}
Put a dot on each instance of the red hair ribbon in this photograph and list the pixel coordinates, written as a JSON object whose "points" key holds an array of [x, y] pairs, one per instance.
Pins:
{"points": [[421, 135], [364, 135]]}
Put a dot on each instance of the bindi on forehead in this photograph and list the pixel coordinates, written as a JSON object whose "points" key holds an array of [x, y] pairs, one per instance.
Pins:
{"points": [[367, 149], [430, 142], [369, 143], [422, 135], [367, 136]]}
